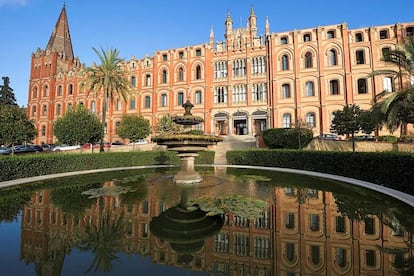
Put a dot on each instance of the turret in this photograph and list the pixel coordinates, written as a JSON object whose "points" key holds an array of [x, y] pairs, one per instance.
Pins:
{"points": [[252, 23]]}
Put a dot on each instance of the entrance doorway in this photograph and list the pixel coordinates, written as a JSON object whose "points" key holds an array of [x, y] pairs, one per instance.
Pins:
{"points": [[240, 127], [221, 127]]}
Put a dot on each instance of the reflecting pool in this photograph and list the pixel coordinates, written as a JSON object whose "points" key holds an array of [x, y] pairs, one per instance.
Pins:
{"points": [[236, 222]]}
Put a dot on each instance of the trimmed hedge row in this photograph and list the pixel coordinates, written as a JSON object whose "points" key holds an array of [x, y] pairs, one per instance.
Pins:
{"points": [[394, 170], [14, 167]]}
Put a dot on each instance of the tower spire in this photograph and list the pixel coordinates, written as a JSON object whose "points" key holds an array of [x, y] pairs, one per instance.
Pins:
{"points": [[60, 40]]}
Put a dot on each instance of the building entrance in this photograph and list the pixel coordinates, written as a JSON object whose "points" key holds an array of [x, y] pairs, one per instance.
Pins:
{"points": [[240, 127]]}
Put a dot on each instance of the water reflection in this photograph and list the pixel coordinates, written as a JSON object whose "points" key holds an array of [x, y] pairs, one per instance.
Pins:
{"points": [[301, 230]]}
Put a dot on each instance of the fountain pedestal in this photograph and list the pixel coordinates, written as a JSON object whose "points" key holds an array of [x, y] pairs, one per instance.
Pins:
{"points": [[187, 174]]}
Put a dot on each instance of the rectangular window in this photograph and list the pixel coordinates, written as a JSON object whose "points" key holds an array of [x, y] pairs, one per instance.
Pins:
{"points": [[340, 224], [360, 58], [314, 222], [132, 104], [148, 80], [220, 95], [164, 57], [147, 102], [198, 52], [334, 87], [370, 257], [163, 100], [181, 54], [388, 84], [286, 121], [133, 81], [198, 99], [180, 98], [362, 86], [369, 226], [290, 221]]}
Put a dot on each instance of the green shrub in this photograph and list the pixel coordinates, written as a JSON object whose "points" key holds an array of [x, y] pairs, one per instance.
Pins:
{"points": [[196, 132], [14, 167], [287, 138], [388, 138], [391, 169], [406, 139]]}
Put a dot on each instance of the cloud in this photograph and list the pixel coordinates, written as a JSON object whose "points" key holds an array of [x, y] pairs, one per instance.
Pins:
{"points": [[14, 2]]}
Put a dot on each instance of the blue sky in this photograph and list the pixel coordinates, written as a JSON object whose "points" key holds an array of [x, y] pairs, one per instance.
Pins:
{"points": [[140, 27]]}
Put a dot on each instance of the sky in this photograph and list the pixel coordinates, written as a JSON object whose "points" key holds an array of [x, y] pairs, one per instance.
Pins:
{"points": [[140, 27]]}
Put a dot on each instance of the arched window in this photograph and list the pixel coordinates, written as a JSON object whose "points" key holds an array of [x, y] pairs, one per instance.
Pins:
{"points": [[118, 105], [45, 91], [198, 72], [58, 109], [164, 100], [333, 58], [43, 131], [285, 62], [34, 111], [310, 90], [59, 90], [180, 74], [34, 92], [308, 60], [44, 110], [164, 76], [70, 92], [93, 106], [285, 91]]}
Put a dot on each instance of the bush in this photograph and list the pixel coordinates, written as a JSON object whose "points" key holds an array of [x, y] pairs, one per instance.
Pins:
{"points": [[389, 169], [14, 167], [388, 138], [406, 139], [287, 138]]}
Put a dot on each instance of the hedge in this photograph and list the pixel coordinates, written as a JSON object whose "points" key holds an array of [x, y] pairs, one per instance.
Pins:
{"points": [[15, 167], [391, 169]]}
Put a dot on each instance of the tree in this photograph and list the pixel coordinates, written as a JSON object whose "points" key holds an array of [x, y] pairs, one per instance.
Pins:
{"points": [[396, 110], [6, 93], [347, 122], [79, 126], [15, 127], [167, 126], [106, 80], [133, 127]]}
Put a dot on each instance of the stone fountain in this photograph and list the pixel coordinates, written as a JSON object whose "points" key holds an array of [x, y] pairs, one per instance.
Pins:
{"points": [[187, 145]]}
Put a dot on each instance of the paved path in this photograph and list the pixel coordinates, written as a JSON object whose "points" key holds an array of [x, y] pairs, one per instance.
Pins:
{"points": [[230, 143]]}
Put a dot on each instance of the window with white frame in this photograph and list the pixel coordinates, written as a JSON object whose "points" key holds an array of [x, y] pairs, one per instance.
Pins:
{"points": [[310, 119], [132, 104], [309, 89], [220, 94], [180, 98], [239, 93], [287, 120], [220, 69], [388, 84], [164, 100], [285, 62], [258, 65], [148, 80], [239, 67], [333, 57], [259, 91]]}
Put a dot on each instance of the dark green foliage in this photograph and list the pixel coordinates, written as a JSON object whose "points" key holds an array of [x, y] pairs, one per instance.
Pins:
{"points": [[6, 93], [78, 127], [15, 127], [388, 138], [287, 138], [388, 169], [43, 164], [133, 127], [196, 132]]}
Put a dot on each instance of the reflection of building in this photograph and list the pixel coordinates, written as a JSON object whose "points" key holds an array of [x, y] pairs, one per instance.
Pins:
{"points": [[300, 233], [242, 85]]}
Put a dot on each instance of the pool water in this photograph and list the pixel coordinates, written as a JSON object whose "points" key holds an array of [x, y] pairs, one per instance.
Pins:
{"points": [[236, 222]]}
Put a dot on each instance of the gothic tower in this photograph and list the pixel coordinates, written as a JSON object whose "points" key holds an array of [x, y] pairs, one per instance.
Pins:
{"points": [[52, 79]]}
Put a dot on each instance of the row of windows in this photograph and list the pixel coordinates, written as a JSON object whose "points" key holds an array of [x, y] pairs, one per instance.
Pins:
{"points": [[259, 93], [358, 37], [181, 55]]}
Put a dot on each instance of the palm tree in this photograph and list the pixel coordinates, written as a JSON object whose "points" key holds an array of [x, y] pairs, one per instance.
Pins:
{"points": [[107, 79], [397, 109]]}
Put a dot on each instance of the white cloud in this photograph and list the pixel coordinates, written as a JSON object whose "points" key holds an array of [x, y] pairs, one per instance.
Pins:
{"points": [[14, 2]]}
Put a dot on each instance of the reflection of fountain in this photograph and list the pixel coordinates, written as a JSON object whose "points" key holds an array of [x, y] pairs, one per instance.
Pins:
{"points": [[187, 145], [185, 227]]}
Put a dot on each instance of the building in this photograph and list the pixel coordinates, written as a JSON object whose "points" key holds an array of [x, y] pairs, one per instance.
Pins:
{"points": [[241, 85]]}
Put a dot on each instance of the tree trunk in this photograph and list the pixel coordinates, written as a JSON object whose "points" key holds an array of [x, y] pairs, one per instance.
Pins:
{"points": [[101, 143]]}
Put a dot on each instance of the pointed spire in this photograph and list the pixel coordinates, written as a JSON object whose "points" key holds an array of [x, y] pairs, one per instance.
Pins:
{"points": [[60, 41], [252, 11]]}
